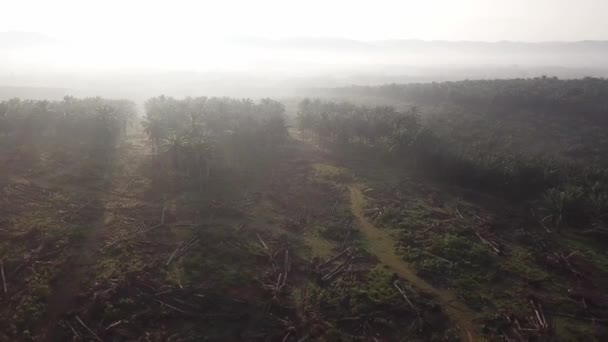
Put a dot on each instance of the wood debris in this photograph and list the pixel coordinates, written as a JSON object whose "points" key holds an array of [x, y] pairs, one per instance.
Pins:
{"points": [[493, 245], [3, 276], [183, 248], [88, 329], [402, 292]]}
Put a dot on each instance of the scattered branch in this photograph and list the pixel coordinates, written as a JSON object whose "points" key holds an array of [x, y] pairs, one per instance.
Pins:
{"points": [[338, 269], [398, 287], [262, 241], [540, 322], [3, 276], [490, 243], [334, 258], [183, 248], [76, 334], [88, 329], [114, 324], [459, 214]]}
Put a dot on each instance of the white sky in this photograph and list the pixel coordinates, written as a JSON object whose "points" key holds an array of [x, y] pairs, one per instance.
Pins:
{"points": [[190, 34], [191, 21]]}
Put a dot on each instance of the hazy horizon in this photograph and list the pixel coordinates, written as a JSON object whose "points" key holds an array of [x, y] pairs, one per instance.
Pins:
{"points": [[270, 46]]}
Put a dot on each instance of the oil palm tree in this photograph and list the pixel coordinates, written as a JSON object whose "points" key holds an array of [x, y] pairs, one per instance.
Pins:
{"points": [[154, 128], [173, 144]]}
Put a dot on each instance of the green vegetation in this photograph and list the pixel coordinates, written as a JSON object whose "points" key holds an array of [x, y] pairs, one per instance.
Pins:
{"points": [[204, 219], [527, 219], [406, 137]]}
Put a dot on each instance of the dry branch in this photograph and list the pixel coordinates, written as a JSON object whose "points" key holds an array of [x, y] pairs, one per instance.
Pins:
{"points": [[459, 214], [173, 307], [541, 322], [345, 239], [262, 241], [333, 208], [73, 330], [398, 287], [337, 269], [287, 267], [440, 258], [3, 276], [333, 258], [114, 324], [490, 243], [88, 329], [182, 249]]}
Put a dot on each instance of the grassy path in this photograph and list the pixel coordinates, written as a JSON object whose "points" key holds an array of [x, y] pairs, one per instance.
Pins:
{"points": [[382, 245]]}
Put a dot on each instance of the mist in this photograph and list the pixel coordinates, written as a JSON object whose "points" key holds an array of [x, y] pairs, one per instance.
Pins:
{"points": [[140, 50], [265, 67], [295, 171]]}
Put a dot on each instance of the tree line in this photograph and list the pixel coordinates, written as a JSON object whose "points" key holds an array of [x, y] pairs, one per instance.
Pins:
{"points": [[564, 191], [199, 134], [189, 136], [31, 129], [586, 96]]}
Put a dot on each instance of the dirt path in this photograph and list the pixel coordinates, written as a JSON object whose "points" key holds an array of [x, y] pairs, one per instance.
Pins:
{"points": [[382, 245]]}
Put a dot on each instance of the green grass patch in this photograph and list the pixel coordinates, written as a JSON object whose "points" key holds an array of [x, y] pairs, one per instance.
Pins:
{"points": [[521, 262], [332, 173]]}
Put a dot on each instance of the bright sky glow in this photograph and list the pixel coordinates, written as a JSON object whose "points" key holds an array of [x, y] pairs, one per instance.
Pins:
{"points": [[193, 34], [130, 21]]}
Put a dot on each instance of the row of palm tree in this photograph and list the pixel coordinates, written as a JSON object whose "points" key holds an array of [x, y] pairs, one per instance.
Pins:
{"points": [[70, 125], [197, 134], [405, 136], [343, 123], [586, 95]]}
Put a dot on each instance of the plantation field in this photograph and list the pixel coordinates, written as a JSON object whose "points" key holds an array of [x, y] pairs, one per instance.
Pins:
{"points": [[208, 220]]}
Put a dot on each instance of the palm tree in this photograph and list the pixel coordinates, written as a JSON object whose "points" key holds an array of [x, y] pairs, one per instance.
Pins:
{"points": [[202, 147], [154, 128], [174, 144]]}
